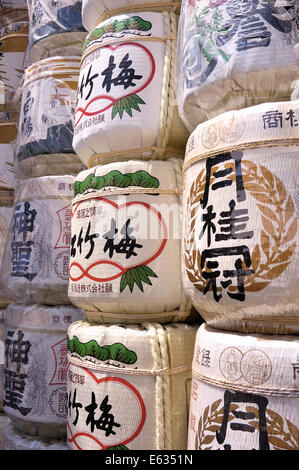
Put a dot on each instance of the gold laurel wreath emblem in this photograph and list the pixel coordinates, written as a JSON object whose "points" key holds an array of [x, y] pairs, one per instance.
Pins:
{"points": [[281, 435], [273, 254]]}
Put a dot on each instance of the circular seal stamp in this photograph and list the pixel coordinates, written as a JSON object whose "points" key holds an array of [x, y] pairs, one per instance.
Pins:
{"points": [[231, 128], [230, 363], [61, 265], [58, 402], [210, 135], [256, 367]]}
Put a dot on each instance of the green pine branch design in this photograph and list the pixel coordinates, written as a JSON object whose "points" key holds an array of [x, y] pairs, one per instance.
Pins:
{"points": [[137, 276]]}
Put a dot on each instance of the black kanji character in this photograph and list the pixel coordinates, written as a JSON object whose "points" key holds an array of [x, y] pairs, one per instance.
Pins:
{"points": [[89, 238], [222, 174], [20, 256], [23, 222], [125, 77], [14, 386], [208, 224], [106, 421], [89, 81], [17, 350], [74, 405], [126, 245], [239, 273], [235, 224], [240, 397], [291, 116], [272, 119]]}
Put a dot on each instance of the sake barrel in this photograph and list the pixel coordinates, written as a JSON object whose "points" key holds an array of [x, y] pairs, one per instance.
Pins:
{"points": [[137, 377], [93, 12], [240, 221], [125, 254], [8, 126], [11, 15], [7, 171], [44, 145], [4, 421], [35, 395], [36, 263], [244, 392], [2, 338], [232, 55], [55, 28], [126, 95], [5, 221], [13, 45], [16, 440], [8, 134]]}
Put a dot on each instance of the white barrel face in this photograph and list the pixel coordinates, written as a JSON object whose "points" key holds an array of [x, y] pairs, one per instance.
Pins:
{"points": [[126, 106], [223, 63], [244, 393], [36, 366], [126, 247], [7, 178], [41, 223], [13, 45], [44, 143], [240, 225], [110, 371], [5, 220]]}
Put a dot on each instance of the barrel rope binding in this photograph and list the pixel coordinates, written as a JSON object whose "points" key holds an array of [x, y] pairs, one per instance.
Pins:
{"points": [[267, 142], [160, 420], [168, 101], [101, 158], [270, 391], [186, 304]]}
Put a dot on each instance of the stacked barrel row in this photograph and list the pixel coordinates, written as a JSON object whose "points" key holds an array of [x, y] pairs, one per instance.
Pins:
{"points": [[129, 377], [129, 133], [13, 45], [35, 267], [154, 233], [240, 221]]}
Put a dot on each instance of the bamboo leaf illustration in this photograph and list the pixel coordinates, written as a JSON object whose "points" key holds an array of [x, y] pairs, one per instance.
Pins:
{"points": [[149, 272], [143, 276], [114, 110], [138, 99], [136, 278], [123, 282]]}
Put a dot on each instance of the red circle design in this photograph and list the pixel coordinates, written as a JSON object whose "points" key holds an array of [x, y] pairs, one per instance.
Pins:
{"points": [[85, 272], [74, 437], [84, 111]]}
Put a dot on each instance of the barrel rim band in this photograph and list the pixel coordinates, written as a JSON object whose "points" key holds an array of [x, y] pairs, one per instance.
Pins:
{"points": [[127, 39], [176, 313], [63, 77], [124, 191], [152, 148], [131, 8], [268, 391], [20, 35], [126, 371], [288, 142]]}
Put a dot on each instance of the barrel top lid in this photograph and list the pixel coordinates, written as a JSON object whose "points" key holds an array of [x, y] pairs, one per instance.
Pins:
{"points": [[264, 125], [148, 177], [262, 364], [42, 318], [60, 186]]}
